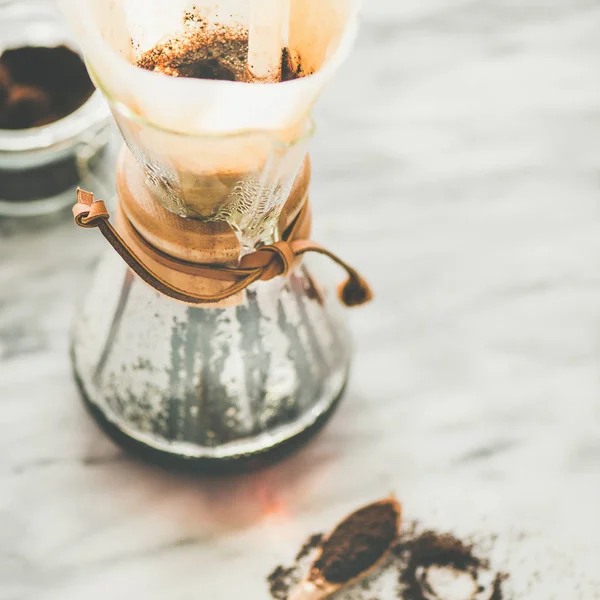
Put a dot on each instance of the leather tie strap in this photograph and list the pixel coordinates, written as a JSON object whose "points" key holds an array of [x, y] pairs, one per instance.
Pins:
{"points": [[261, 265]]}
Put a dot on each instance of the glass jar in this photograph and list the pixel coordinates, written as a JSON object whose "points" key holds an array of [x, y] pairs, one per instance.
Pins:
{"points": [[41, 167]]}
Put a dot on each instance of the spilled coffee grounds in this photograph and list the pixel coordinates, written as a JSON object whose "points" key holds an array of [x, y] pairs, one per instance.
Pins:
{"points": [[314, 541], [358, 542], [409, 570], [40, 85], [280, 582], [419, 553]]}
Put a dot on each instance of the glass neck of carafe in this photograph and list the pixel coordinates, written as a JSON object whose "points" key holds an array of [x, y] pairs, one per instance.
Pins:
{"points": [[242, 179]]}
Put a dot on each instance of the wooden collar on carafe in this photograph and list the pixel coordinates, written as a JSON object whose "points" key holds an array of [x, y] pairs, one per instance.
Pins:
{"points": [[197, 262], [191, 240]]}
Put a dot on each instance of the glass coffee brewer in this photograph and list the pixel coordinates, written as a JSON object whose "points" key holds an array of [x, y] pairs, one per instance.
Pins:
{"points": [[205, 341]]}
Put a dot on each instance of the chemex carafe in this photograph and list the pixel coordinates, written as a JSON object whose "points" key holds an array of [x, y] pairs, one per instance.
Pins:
{"points": [[205, 340]]}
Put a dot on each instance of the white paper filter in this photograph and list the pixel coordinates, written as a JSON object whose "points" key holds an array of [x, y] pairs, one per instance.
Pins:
{"points": [[114, 33]]}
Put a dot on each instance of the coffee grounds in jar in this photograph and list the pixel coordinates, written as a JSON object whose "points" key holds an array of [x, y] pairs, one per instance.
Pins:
{"points": [[40, 85], [358, 542]]}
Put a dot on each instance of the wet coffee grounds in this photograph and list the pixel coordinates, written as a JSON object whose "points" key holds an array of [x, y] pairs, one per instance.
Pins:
{"points": [[40, 85], [201, 53], [208, 52], [358, 542], [414, 555], [288, 71]]}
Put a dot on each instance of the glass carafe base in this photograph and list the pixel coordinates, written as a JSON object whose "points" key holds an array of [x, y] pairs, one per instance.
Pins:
{"points": [[211, 389], [258, 459]]}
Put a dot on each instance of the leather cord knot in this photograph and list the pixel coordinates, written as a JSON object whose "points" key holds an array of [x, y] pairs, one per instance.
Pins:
{"points": [[274, 260], [89, 212], [266, 263]]}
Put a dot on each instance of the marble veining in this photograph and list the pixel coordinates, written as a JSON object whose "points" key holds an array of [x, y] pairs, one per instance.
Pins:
{"points": [[456, 164]]}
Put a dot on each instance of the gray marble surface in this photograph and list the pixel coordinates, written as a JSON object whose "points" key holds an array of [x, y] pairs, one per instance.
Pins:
{"points": [[456, 163]]}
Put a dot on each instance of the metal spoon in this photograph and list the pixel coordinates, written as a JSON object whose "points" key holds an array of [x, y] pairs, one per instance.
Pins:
{"points": [[315, 586]]}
